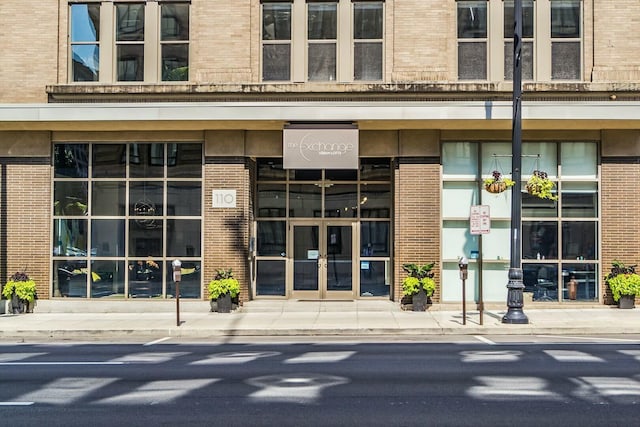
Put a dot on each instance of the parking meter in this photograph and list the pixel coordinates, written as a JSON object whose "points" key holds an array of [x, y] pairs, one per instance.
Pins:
{"points": [[463, 265], [177, 270], [177, 276]]}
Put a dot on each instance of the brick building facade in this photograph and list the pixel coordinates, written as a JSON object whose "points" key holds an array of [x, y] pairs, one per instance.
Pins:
{"points": [[113, 100]]}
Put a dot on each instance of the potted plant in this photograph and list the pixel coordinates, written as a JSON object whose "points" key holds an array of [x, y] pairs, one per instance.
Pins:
{"points": [[624, 283], [221, 289], [497, 183], [541, 186], [419, 284], [21, 291]]}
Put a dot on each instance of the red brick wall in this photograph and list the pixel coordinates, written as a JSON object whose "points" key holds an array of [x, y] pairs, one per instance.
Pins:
{"points": [[25, 220], [620, 195], [417, 218], [226, 230]]}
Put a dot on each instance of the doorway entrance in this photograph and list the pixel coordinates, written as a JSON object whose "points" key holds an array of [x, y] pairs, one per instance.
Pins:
{"points": [[322, 259]]}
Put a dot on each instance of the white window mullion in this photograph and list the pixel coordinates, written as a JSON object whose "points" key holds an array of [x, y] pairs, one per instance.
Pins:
{"points": [[151, 42]]}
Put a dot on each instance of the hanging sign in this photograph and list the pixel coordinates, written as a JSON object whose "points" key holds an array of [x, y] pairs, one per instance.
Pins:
{"points": [[480, 219], [305, 148]]}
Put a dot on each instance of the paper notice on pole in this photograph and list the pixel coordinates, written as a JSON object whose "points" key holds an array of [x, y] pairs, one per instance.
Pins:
{"points": [[480, 219]]}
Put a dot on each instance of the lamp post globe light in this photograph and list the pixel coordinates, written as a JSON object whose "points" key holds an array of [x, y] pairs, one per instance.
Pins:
{"points": [[515, 286]]}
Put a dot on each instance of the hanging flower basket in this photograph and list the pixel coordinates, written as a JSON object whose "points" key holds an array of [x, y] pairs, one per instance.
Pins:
{"points": [[541, 186], [497, 183]]}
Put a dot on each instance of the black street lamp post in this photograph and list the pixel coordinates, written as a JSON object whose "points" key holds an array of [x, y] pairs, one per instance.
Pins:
{"points": [[515, 286]]}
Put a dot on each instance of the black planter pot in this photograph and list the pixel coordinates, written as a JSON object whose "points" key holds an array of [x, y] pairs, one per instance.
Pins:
{"points": [[224, 303], [419, 301], [17, 306], [627, 301]]}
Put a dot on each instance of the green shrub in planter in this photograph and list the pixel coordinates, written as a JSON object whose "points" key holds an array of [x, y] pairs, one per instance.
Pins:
{"points": [[224, 283], [419, 277], [623, 280], [21, 290]]}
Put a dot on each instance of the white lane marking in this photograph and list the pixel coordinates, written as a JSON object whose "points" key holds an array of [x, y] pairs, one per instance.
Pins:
{"points": [[588, 338], [292, 388], [58, 363], [511, 389], [66, 390], [158, 341], [16, 403], [484, 340], [321, 357], [149, 357], [490, 356], [607, 389], [234, 358], [9, 357], [156, 392], [572, 356]]}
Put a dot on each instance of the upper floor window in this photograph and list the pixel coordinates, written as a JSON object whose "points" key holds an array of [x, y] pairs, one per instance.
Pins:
{"points": [[323, 48], [85, 42], [551, 39], [140, 41]]}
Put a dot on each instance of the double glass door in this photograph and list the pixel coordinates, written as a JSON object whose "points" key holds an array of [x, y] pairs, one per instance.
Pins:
{"points": [[323, 260]]}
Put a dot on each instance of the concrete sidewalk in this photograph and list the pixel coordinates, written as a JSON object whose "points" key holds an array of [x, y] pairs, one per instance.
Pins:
{"points": [[71, 319]]}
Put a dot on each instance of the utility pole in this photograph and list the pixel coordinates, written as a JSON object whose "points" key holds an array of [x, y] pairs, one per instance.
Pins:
{"points": [[515, 286]]}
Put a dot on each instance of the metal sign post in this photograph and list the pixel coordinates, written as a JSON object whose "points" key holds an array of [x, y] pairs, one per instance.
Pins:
{"points": [[480, 224]]}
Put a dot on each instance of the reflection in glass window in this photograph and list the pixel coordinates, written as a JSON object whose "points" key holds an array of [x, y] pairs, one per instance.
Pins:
{"points": [[271, 238], [580, 282], [174, 40], [374, 239], [190, 282], [85, 42], [70, 198], [276, 38], [108, 160], [541, 280], [107, 234], [270, 277], [70, 237], [108, 198], [305, 200], [322, 27], [71, 160], [107, 278], [271, 201], [107, 237], [367, 34], [472, 40], [70, 278], [539, 240], [579, 240], [341, 201]]}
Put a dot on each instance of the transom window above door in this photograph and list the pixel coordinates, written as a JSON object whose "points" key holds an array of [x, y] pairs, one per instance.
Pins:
{"points": [[322, 41]]}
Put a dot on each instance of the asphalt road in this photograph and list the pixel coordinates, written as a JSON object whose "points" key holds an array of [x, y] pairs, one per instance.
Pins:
{"points": [[474, 381]]}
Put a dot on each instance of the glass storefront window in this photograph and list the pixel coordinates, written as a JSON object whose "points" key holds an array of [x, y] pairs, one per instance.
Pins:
{"points": [[184, 160], [270, 170], [460, 159], [541, 280], [70, 198], [108, 198], [579, 200], [341, 201], [270, 277], [375, 169], [341, 174], [374, 239], [109, 161], [539, 240], [375, 201], [580, 282], [107, 237], [183, 237], [146, 160], [579, 160], [71, 160], [271, 201], [146, 198], [107, 278], [305, 200], [70, 278], [579, 240], [272, 238], [536, 207], [145, 278], [122, 204], [375, 279], [183, 198]]}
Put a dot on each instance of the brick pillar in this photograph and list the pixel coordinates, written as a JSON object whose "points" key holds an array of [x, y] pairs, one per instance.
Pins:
{"points": [[25, 220], [620, 195], [417, 219], [226, 230]]}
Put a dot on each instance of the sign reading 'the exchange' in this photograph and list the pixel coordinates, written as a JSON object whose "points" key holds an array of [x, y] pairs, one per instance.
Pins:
{"points": [[306, 148], [480, 219]]}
